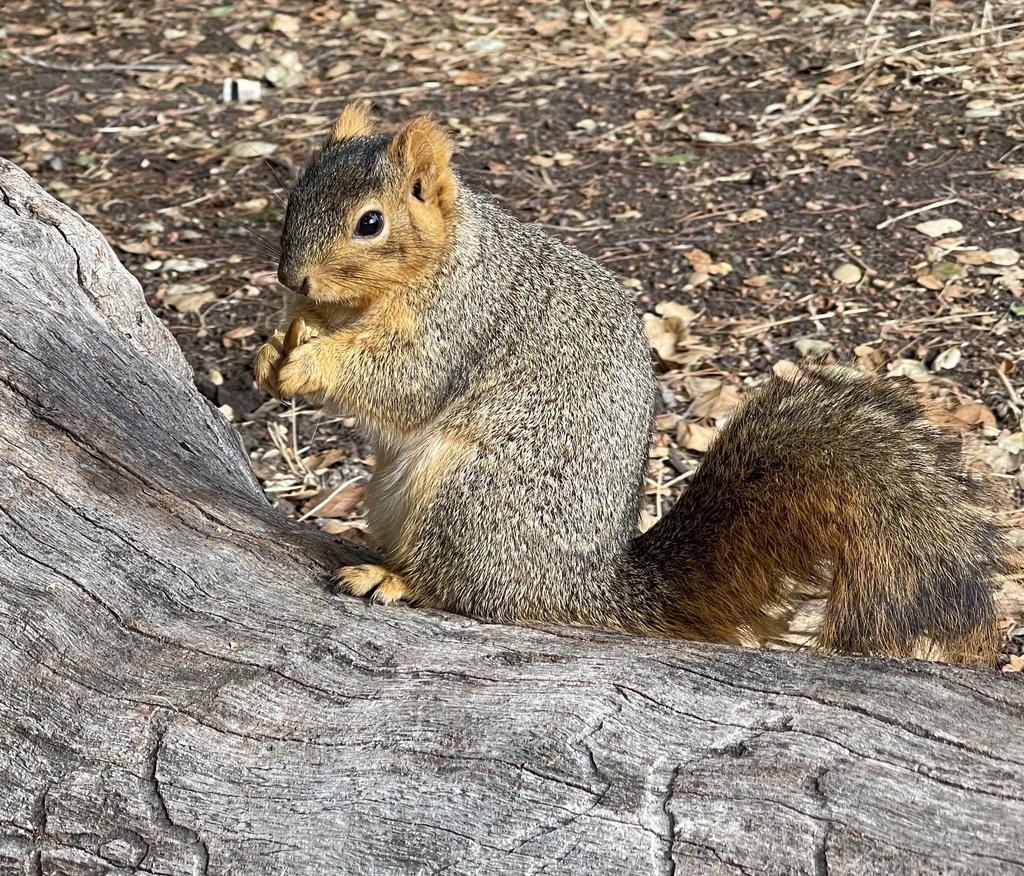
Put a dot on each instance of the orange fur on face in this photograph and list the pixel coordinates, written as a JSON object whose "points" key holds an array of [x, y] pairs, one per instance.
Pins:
{"points": [[417, 199]]}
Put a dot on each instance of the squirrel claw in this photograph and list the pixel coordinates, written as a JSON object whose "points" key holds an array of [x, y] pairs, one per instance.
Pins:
{"points": [[384, 586]]}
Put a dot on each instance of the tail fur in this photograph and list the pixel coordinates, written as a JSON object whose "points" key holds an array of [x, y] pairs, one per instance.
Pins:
{"points": [[838, 479]]}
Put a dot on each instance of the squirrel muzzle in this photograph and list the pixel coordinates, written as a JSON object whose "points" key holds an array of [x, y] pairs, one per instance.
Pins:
{"points": [[296, 280]]}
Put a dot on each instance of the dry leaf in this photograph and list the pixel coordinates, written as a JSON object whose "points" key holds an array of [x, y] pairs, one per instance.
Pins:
{"points": [[973, 257], [547, 27], [185, 266], [755, 214], [337, 70], [699, 260], [660, 336], [343, 529], [947, 360], [1003, 256], [939, 227], [1015, 664], [1004, 457], [809, 347], [911, 369], [138, 247], [470, 77], [630, 30], [718, 403], [930, 281], [680, 315], [289, 25], [694, 436], [335, 502], [190, 301], [325, 459], [975, 414], [252, 149], [786, 370]]}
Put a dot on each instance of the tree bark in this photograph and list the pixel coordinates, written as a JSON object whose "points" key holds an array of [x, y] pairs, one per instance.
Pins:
{"points": [[179, 692]]}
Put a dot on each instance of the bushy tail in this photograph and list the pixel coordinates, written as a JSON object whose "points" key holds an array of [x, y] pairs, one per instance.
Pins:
{"points": [[837, 479]]}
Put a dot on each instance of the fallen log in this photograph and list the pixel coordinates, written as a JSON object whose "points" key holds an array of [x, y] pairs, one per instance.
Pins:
{"points": [[179, 692]]}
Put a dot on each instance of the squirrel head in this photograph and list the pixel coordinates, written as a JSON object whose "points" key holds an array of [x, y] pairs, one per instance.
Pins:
{"points": [[372, 213]]}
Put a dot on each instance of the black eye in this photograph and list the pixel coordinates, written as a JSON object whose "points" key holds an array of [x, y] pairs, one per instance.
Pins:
{"points": [[370, 224]]}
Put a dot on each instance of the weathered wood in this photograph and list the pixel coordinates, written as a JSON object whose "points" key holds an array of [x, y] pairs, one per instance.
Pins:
{"points": [[180, 694]]}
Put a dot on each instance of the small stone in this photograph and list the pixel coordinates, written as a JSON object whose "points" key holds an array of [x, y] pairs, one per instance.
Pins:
{"points": [[847, 274], [288, 70]]}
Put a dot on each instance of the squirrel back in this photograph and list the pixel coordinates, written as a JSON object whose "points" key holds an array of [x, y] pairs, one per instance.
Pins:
{"points": [[506, 385]]}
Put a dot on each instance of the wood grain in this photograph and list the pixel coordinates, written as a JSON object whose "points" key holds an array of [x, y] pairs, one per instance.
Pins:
{"points": [[179, 693]]}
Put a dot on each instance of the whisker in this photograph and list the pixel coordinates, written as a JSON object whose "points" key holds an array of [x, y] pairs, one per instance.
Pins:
{"points": [[280, 181], [264, 245]]}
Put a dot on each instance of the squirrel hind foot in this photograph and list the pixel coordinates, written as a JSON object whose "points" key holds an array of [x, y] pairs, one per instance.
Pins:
{"points": [[379, 583]]}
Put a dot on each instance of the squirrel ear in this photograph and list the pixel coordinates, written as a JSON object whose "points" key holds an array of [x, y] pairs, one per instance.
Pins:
{"points": [[424, 150], [356, 120]]}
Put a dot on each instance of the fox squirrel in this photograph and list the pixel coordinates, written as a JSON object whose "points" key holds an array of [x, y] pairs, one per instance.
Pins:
{"points": [[507, 388]]}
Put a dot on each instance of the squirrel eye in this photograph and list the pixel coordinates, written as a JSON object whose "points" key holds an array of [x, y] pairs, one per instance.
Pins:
{"points": [[370, 224]]}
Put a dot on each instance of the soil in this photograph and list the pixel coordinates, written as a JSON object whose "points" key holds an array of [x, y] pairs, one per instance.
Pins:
{"points": [[728, 158]]}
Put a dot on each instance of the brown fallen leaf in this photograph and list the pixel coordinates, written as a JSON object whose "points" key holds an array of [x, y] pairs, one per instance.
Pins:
{"points": [[694, 436], [717, 403], [334, 503], [699, 260], [1014, 664], [975, 414], [326, 459], [630, 30]]}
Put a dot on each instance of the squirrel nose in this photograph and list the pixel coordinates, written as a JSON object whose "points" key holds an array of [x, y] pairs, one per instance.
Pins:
{"points": [[296, 282]]}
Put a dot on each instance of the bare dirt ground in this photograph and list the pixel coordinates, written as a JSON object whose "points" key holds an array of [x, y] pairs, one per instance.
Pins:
{"points": [[773, 179]]}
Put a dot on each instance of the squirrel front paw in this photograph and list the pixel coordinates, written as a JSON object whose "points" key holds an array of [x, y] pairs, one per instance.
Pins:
{"points": [[275, 353], [300, 373], [267, 362]]}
